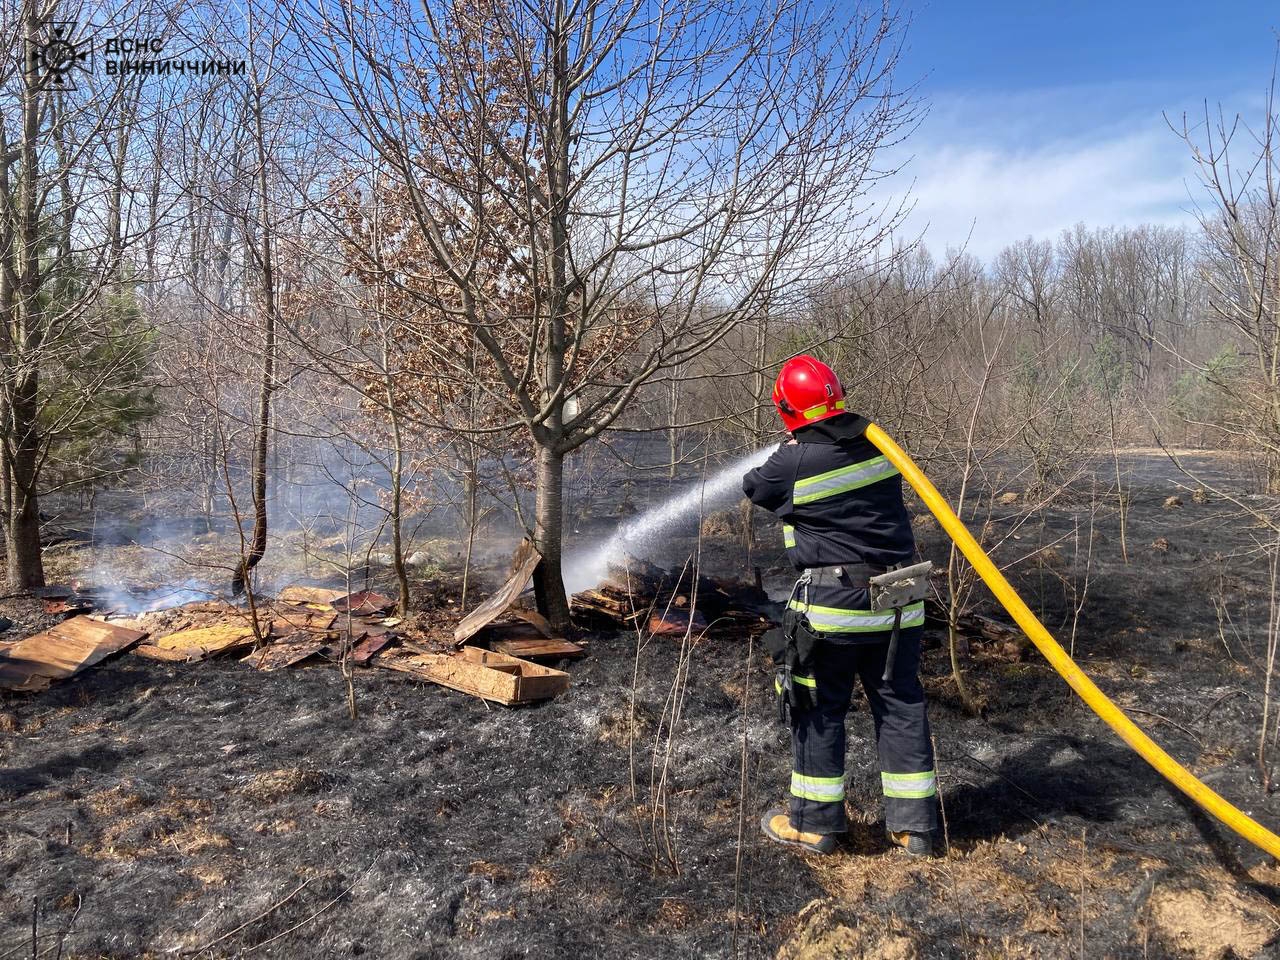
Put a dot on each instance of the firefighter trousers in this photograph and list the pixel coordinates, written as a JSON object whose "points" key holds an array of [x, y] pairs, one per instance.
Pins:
{"points": [[901, 722]]}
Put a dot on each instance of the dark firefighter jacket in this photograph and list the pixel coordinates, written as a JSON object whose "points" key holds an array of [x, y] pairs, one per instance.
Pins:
{"points": [[840, 502]]}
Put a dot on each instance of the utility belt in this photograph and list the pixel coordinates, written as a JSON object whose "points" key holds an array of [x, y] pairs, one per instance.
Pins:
{"points": [[793, 646]]}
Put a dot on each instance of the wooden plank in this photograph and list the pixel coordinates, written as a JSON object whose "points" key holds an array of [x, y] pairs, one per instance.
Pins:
{"points": [[62, 651], [523, 564], [363, 651], [448, 671], [532, 688], [288, 619], [363, 604], [484, 674], [533, 681], [317, 595], [151, 652], [287, 652], [205, 641], [537, 648], [535, 620]]}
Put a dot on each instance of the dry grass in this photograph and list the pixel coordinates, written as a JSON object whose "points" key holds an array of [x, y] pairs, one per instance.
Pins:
{"points": [[139, 828], [276, 785], [825, 930], [674, 914], [275, 827], [541, 880], [213, 873], [724, 524], [1210, 927], [118, 801], [492, 871], [617, 726], [197, 838]]}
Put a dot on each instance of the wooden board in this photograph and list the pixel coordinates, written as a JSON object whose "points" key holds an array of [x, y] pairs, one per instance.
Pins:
{"points": [[317, 595], [61, 651], [535, 620], [363, 651], [151, 652], [363, 604], [205, 641], [538, 648], [287, 652], [287, 619], [484, 674], [523, 564]]}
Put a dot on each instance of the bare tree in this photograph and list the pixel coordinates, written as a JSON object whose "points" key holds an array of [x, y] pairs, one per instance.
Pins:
{"points": [[600, 191], [1240, 170]]}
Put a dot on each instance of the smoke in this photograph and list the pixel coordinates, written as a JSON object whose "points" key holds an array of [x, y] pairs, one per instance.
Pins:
{"points": [[639, 536]]}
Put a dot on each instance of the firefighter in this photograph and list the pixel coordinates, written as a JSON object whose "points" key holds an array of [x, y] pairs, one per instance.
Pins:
{"points": [[844, 521]]}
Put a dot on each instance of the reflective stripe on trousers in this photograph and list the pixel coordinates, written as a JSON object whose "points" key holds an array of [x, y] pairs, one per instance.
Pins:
{"points": [[909, 785], [901, 727], [821, 789]]}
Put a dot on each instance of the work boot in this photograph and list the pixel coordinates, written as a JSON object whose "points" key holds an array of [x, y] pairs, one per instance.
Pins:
{"points": [[916, 844], [776, 825]]}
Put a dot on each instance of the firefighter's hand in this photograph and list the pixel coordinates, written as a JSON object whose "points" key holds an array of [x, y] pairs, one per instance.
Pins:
{"points": [[791, 442]]}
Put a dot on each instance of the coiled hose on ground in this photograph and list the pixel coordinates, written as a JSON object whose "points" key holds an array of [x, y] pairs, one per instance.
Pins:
{"points": [[1098, 702]]}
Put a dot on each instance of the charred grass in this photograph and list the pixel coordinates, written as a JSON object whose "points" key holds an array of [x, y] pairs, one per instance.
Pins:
{"points": [[211, 810]]}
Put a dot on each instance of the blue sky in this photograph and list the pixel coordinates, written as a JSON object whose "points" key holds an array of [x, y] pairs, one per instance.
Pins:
{"points": [[1044, 114]]}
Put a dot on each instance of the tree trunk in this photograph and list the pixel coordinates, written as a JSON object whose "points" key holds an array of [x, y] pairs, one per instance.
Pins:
{"points": [[22, 533], [470, 481], [22, 427], [548, 578], [266, 266], [673, 432], [397, 501]]}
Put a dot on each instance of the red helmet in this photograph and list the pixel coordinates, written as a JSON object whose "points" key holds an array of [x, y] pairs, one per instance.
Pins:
{"points": [[806, 391]]}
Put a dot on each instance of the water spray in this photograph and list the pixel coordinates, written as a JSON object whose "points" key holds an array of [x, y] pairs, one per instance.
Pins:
{"points": [[638, 536]]}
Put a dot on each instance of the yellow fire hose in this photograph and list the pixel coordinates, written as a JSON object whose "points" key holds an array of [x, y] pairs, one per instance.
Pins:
{"points": [[1098, 701]]}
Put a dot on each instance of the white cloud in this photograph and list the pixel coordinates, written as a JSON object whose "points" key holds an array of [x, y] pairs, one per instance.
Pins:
{"points": [[994, 172]]}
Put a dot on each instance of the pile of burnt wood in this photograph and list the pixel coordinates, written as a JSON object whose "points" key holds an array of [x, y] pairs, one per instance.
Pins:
{"points": [[673, 602]]}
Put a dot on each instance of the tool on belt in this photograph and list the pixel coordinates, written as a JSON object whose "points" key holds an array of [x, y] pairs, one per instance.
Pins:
{"points": [[894, 590], [792, 647]]}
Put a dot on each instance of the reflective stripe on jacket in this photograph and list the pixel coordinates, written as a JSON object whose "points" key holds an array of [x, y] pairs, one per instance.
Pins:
{"points": [[839, 499]]}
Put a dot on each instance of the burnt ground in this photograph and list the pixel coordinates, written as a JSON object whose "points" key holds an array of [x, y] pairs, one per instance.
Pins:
{"points": [[158, 809]]}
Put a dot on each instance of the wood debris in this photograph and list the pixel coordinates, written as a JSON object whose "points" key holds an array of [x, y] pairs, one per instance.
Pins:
{"points": [[288, 619], [484, 674], [150, 651], [58, 598], [365, 603], [293, 632], [523, 564], [203, 642], [527, 642], [540, 648], [287, 651], [62, 651], [321, 596], [994, 637], [675, 622], [506, 628], [372, 643], [661, 599]]}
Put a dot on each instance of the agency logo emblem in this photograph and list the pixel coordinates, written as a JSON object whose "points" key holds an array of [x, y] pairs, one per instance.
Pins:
{"points": [[59, 55]]}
